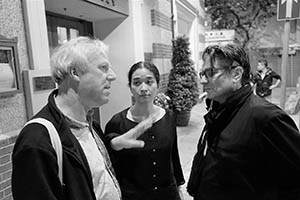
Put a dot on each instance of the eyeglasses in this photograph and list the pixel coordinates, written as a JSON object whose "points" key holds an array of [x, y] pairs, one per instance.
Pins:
{"points": [[210, 72]]}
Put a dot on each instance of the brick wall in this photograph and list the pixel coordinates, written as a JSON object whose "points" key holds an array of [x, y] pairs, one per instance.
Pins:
{"points": [[6, 147], [164, 80], [161, 50], [160, 20]]}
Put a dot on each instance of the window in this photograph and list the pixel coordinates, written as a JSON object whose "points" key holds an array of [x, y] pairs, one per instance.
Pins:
{"points": [[9, 67], [63, 28]]}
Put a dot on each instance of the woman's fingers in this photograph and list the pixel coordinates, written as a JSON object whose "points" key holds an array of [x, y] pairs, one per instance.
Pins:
{"points": [[142, 127], [136, 144]]}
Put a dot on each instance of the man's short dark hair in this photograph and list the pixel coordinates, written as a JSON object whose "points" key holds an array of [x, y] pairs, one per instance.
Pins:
{"points": [[231, 53]]}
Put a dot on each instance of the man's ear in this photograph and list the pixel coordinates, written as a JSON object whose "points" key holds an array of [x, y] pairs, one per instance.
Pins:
{"points": [[74, 73], [237, 74]]}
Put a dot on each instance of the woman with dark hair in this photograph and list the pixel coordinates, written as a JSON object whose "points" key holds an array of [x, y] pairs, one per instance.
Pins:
{"points": [[152, 171]]}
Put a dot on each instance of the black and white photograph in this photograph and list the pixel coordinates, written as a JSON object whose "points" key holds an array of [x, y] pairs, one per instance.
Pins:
{"points": [[149, 99]]}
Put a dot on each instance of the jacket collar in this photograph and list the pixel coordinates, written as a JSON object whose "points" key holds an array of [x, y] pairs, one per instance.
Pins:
{"points": [[238, 96], [221, 114]]}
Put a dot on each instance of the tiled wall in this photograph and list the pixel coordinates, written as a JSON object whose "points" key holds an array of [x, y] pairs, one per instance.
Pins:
{"points": [[162, 50]]}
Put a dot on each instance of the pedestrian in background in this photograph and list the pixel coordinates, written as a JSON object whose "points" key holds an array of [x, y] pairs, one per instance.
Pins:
{"points": [[152, 171], [263, 80], [249, 148], [83, 73]]}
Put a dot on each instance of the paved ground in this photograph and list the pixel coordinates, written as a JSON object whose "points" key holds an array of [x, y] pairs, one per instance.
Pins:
{"points": [[188, 139]]}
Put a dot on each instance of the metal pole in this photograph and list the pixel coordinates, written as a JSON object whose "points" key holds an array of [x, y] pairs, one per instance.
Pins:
{"points": [[172, 19], [285, 53], [292, 69]]}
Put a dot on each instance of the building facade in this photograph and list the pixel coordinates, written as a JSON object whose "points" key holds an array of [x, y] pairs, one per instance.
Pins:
{"points": [[135, 30]]}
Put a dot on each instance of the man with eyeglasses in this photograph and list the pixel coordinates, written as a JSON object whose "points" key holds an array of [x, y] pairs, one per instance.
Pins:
{"points": [[249, 148]]}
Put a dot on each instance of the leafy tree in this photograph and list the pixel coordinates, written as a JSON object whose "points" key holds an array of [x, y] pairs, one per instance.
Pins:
{"points": [[247, 17]]}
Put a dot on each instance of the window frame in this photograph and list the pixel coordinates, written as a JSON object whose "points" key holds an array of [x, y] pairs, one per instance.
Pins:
{"points": [[12, 45]]}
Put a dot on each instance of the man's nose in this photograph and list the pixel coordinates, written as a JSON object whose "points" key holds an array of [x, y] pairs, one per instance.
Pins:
{"points": [[111, 75], [203, 80]]}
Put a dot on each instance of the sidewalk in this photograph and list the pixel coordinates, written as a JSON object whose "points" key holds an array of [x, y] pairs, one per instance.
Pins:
{"points": [[187, 141], [188, 138]]}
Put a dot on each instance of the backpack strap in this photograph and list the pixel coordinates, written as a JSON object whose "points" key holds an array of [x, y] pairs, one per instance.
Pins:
{"points": [[55, 140]]}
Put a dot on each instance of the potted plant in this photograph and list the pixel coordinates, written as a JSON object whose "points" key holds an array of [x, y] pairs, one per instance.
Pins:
{"points": [[183, 84]]}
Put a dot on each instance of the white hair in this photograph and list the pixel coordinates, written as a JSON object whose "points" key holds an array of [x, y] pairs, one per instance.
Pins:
{"points": [[78, 53]]}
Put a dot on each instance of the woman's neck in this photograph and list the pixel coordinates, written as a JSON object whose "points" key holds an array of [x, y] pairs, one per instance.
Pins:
{"points": [[140, 112], [143, 110]]}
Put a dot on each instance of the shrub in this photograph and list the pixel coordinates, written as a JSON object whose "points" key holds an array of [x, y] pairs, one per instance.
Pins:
{"points": [[182, 87]]}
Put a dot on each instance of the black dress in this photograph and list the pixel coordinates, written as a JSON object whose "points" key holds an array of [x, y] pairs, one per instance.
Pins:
{"points": [[154, 171]]}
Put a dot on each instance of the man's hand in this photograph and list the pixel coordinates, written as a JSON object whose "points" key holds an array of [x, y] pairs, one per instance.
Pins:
{"points": [[129, 139]]}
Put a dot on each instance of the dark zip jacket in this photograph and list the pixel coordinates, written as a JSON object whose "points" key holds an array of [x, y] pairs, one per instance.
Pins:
{"points": [[263, 84], [35, 169], [249, 150]]}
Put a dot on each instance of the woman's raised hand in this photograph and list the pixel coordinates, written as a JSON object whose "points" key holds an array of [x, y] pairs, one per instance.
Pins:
{"points": [[129, 139]]}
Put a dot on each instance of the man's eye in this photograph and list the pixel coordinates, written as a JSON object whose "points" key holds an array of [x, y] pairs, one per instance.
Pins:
{"points": [[150, 82], [209, 73], [136, 83], [103, 68]]}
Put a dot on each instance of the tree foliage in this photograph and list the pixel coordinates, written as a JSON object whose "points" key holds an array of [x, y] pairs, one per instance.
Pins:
{"points": [[247, 17]]}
